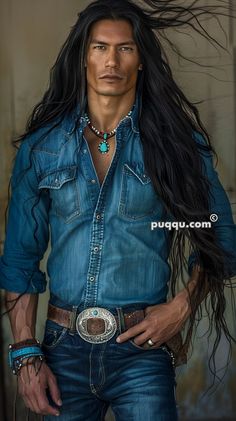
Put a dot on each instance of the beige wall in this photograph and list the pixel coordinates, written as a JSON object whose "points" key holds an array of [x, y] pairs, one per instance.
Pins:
{"points": [[31, 34]]}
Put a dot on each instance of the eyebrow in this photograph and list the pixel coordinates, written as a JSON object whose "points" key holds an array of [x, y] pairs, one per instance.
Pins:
{"points": [[97, 41]]}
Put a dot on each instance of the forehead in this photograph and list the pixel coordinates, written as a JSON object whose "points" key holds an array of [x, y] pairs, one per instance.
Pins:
{"points": [[111, 30]]}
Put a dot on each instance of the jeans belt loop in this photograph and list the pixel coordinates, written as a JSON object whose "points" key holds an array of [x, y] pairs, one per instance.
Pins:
{"points": [[73, 316], [121, 319]]}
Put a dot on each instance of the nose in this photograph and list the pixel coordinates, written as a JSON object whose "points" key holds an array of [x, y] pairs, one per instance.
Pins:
{"points": [[112, 58]]}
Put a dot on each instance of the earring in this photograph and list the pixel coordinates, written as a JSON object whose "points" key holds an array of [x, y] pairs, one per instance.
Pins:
{"points": [[140, 67]]}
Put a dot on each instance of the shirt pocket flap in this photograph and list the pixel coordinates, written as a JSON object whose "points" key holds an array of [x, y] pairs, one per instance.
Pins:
{"points": [[56, 179], [138, 172]]}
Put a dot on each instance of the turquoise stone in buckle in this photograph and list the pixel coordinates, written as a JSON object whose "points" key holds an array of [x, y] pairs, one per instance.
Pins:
{"points": [[110, 324]]}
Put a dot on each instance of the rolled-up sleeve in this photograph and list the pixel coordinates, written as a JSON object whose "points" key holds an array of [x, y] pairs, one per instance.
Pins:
{"points": [[27, 230], [220, 206]]}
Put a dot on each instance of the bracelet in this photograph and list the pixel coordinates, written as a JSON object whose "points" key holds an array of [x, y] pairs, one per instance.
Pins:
{"points": [[24, 364], [19, 351], [24, 343]]}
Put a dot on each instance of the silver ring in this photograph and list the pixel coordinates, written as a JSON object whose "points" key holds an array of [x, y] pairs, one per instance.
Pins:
{"points": [[150, 342]]}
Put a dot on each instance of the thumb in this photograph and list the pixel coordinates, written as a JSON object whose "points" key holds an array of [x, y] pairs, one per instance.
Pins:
{"points": [[54, 389]]}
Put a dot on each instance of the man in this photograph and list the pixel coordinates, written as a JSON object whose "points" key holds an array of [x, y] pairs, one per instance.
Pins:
{"points": [[93, 167]]}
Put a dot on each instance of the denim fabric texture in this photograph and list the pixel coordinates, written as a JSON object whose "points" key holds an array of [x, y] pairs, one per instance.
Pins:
{"points": [[137, 383], [103, 252]]}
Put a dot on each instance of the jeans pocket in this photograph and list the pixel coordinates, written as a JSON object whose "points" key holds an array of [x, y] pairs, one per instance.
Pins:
{"points": [[146, 347], [53, 335], [143, 347], [163, 348]]}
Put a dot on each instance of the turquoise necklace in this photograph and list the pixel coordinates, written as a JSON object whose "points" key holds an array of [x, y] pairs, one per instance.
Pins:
{"points": [[103, 146]]}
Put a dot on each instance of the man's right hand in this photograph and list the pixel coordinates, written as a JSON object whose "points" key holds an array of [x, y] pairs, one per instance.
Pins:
{"points": [[32, 388]]}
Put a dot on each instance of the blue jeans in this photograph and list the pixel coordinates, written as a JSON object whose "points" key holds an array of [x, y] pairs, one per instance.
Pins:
{"points": [[137, 383]]}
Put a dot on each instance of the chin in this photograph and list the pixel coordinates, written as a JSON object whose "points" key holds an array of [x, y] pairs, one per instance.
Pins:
{"points": [[111, 92]]}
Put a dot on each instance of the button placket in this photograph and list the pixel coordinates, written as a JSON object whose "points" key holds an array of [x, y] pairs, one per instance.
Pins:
{"points": [[97, 234], [88, 172]]}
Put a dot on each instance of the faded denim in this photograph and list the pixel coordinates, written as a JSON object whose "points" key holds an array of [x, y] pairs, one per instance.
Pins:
{"points": [[103, 252], [138, 383]]}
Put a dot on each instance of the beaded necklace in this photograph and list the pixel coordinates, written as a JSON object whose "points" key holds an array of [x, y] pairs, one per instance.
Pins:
{"points": [[103, 146]]}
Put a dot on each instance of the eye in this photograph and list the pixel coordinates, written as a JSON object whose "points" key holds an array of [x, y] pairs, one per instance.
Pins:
{"points": [[99, 47], [126, 49]]}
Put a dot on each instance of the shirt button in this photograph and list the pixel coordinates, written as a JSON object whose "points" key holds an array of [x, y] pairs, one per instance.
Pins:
{"points": [[96, 249], [85, 151], [98, 216], [93, 181], [91, 278]]}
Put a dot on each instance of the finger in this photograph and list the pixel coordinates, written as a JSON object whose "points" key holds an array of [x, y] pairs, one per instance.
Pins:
{"points": [[140, 339], [31, 403], [133, 331], [54, 390], [44, 407], [27, 403], [28, 400]]}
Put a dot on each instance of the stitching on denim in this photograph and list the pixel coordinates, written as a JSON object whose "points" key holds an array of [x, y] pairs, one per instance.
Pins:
{"points": [[97, 235], [45, 151], [90, 368], [55, 131], [57, 170], [59, 339], [99, 387], [102, 365]]}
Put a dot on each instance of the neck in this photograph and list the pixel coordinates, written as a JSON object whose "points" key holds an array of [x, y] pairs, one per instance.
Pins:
{"points": [[105, 112]]}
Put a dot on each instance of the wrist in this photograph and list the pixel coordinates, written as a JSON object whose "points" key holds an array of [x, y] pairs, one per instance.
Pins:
{"points": [[24, 343], [21, 351], [181, 301]]}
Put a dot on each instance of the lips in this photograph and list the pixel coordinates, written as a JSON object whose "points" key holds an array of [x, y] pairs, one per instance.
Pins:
{"points": [[111, 77]]}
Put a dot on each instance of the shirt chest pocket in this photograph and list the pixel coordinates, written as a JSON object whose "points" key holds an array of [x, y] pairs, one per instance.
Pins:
{"points": [[138, 198], [64, 193]]}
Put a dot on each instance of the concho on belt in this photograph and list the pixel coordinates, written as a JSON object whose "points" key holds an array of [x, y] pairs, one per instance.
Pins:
{"points": [[96, 325]]}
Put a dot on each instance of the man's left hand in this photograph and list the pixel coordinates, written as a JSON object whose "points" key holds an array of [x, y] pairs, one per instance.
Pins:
{"points": [[161, 322]]}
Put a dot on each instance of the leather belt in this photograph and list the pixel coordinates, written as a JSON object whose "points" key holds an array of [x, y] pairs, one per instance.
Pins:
{"points": [[94, 321], [98, 325]]}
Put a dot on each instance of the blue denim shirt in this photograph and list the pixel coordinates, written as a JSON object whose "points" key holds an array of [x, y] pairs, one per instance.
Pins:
{"points": [[103, 251]]}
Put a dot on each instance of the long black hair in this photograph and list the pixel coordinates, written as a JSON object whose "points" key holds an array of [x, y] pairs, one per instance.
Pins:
{"points": [[167, 120]]}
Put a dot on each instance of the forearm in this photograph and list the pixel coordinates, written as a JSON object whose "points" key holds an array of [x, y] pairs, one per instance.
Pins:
{"points": [[22, 315], [182, 299]]}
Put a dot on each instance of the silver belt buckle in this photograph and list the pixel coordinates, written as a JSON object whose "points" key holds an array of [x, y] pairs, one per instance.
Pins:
{"points": [[101, 313]]}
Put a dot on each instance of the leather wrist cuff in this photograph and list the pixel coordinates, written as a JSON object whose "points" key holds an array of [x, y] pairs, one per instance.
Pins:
{"points": [[22, 350], [23, 344]]}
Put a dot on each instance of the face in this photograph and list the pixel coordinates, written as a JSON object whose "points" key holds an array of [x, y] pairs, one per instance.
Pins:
{"points": [[112, 60]]}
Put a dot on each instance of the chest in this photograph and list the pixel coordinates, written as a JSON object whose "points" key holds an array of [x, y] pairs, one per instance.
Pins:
{"points": [[101, 161]]}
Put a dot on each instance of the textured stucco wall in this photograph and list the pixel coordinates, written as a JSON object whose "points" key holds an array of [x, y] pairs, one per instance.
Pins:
{"points": [[31, 35]]}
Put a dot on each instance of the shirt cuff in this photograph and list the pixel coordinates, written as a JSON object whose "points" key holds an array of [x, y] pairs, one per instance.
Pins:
{"points": [[21, 281]]}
